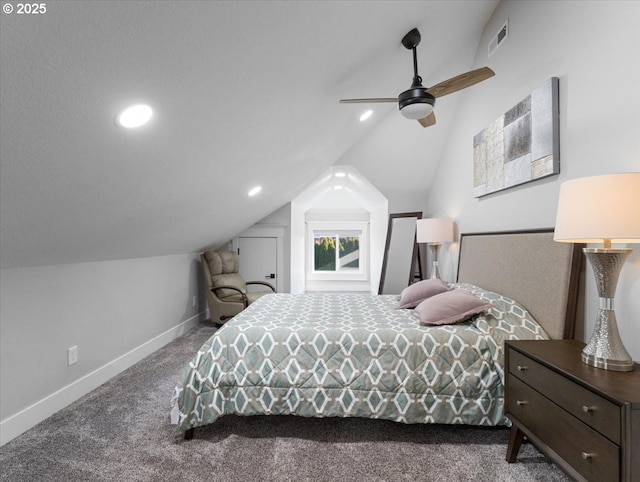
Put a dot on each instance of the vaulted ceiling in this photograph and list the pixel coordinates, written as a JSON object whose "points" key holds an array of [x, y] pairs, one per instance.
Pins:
{"points": [[244, 93]]}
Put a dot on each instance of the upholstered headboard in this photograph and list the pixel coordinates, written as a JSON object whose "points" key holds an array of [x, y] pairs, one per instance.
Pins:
{"points": [[529, 267]]}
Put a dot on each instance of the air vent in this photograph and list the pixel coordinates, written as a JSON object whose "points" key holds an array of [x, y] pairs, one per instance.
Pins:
{"points": [[499, 38]]}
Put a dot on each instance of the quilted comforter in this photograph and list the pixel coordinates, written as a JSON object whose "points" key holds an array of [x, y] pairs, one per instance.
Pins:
{"points": [[333, 355]]}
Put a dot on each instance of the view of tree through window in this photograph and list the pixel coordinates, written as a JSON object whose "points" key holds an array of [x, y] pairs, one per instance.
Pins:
{"points": [[328, 258]]}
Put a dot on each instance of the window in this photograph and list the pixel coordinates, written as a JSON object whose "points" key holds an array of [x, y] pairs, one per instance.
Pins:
{"points": [[336, 252]]}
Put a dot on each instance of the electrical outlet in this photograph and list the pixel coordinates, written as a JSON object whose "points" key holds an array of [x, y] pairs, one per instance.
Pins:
{"points": [[72, 355], [194, 301]]}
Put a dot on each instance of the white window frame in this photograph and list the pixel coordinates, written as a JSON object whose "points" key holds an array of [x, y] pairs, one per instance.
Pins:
{"points": [[316, 228]]}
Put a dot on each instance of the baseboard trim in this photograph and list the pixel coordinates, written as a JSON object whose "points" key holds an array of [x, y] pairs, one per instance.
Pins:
{"points": [[22, 421]]}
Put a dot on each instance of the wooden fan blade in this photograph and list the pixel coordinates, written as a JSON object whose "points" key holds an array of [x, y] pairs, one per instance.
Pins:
{"points": [[428, 121], [368, 101], [462, 81]]}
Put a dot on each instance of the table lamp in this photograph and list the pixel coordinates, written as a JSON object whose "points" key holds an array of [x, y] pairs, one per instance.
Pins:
{"points": [[434, 232], [602, 209]]}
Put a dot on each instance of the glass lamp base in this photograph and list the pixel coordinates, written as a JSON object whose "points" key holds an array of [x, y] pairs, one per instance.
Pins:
{"points": [[435, 272], [605, 348], [607, 363]]}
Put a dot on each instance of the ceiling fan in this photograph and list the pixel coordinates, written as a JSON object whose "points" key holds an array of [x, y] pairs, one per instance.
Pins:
{"points": [[417, 102]]}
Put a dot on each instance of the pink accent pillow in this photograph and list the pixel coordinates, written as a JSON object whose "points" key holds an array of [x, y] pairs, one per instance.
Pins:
{"points": [[450, 307], [413, 294]]}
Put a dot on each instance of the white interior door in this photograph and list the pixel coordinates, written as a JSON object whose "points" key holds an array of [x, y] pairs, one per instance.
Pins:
{"points": [[258, 260]]}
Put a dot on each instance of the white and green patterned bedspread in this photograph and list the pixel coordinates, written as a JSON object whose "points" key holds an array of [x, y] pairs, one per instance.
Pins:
{"points": [[337, 355]]}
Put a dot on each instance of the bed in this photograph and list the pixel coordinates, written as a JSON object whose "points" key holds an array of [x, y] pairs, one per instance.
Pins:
{"points": [[349, 355]]}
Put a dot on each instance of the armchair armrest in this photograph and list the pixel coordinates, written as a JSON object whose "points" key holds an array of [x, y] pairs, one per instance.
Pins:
{"points": [[264, 283], [245, 300]]}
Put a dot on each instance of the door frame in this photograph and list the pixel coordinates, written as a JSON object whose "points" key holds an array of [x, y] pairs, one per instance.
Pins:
{"points": [[268, 231]]}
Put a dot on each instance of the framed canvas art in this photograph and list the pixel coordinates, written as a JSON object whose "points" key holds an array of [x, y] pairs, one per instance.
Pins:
{"points": [[520, 146]]}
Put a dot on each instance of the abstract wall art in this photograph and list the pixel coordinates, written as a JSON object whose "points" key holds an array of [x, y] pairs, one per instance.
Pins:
{"points": [[520, 146]]}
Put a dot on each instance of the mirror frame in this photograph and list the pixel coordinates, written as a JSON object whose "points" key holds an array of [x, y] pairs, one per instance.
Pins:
{"points": [[415, 256]]}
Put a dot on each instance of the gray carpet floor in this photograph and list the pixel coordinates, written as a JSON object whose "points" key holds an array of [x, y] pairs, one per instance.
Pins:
{"points": [[121, 432]]}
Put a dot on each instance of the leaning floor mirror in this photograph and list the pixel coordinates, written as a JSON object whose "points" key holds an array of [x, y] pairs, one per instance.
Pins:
{"points": [[401, 264]]}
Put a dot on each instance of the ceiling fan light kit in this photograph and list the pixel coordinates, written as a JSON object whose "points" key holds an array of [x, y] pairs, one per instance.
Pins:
{"points": [[417, 102]]}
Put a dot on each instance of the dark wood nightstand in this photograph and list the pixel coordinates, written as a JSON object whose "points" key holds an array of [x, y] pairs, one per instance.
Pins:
{"points": [[585, 419]]}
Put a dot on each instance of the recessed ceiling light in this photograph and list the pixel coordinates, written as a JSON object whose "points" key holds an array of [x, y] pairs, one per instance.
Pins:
{"points": [[366, 115], [340, 174], [255, 191], [134, 116]]}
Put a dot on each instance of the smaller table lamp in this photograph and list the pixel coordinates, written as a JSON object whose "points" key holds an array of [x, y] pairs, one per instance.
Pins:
{"points": [[602, 209], [434, 231]]}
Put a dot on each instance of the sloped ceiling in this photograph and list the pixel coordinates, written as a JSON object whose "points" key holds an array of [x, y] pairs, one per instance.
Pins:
{"points": [[244, 93]]}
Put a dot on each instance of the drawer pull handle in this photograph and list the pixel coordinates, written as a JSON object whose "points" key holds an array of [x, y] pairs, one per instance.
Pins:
{"points": [[586, 409], [521, 368], [521, 402], [587, 456]]}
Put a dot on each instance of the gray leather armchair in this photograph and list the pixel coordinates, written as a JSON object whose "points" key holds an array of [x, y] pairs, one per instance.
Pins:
{"points": [[227, 293]]}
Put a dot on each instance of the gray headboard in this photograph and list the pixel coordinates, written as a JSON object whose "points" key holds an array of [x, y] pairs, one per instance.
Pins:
{"points": [[529, 267]]}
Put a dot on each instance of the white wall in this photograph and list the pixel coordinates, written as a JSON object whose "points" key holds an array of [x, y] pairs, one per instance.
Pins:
{"points": [[593, 48], [115, 312]]}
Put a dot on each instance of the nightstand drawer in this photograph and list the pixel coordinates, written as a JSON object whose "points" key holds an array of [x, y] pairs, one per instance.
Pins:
{"points": [[588, 452], [587, 406]]}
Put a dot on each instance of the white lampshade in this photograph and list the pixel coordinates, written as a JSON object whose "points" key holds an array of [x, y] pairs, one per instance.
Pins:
{"points": [[434, 230], [599, 208]]}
